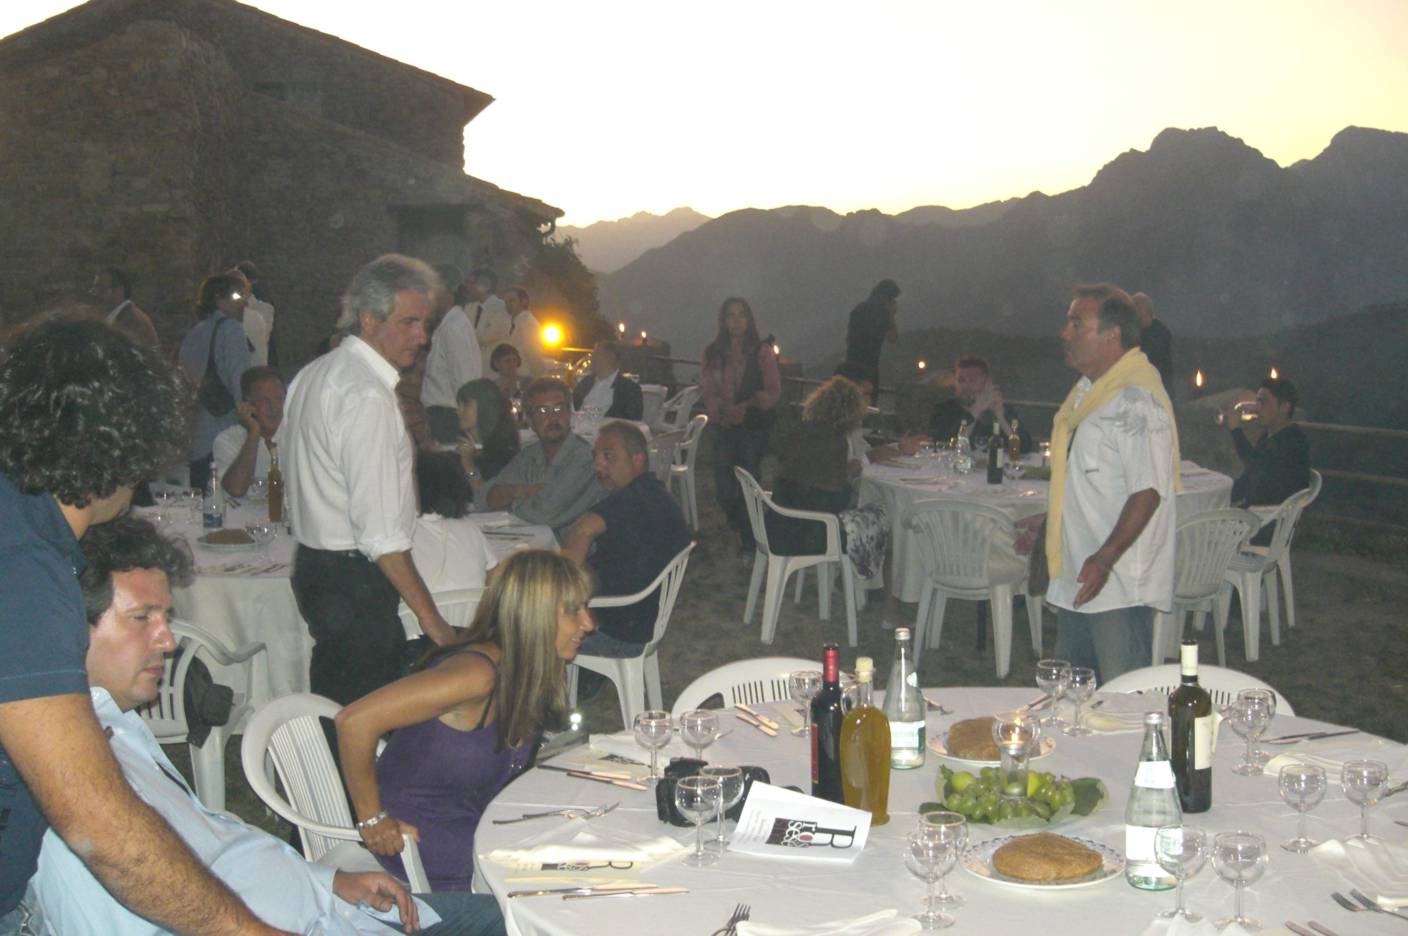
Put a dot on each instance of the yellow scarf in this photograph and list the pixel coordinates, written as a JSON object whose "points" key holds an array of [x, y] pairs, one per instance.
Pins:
{"points": [[1131, 370]]}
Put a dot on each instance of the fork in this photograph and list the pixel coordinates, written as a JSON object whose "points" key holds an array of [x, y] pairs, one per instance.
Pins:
{"points": [[1373, 905], [569, 812], [1353, 907], [740, 913]]}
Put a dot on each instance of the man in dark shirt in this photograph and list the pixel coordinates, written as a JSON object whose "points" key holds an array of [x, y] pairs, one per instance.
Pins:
{"points": [[626, 540], [614, 395], [1155, 340], [1278, 463], [872, 323], [977, 401]]}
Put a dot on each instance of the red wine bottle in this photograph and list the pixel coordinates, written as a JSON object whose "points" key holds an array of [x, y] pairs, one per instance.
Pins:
{"points": [[827, 716]]}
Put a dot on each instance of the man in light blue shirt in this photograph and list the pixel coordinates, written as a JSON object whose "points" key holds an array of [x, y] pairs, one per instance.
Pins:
{"points": [[127, 592], [218, 348]]}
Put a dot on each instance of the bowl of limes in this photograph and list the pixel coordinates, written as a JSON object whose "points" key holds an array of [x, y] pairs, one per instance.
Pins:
{"points": [[1050, 799]]}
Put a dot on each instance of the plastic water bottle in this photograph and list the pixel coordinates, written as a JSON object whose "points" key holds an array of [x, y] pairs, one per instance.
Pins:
{"points": [[904, 707], [212, 503], [1153, 802]]}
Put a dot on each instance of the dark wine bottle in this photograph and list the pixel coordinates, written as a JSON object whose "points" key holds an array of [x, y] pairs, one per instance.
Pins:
{"points": [[1190, 741], [827, 716], [996, 449]]}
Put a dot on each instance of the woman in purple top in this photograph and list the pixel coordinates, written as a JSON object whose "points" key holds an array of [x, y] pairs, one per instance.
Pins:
{"points": [[465, 723]]}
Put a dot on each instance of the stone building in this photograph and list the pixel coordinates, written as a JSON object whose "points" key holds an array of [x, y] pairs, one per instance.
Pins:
{"points": [[176, 137]]}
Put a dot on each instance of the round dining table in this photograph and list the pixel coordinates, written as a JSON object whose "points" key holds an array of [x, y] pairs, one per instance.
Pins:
{"points": [[901, 485], [792, 893]]}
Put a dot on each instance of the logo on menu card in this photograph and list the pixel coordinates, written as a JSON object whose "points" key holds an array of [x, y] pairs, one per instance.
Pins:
{"points": [[804, 833]]}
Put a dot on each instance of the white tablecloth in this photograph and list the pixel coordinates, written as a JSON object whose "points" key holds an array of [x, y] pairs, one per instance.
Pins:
{"points": [[900, 487], [1295, 886]]}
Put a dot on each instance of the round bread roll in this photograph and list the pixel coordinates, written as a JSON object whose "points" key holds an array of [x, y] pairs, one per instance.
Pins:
{"points": [[971, 739], [1045, 858]]}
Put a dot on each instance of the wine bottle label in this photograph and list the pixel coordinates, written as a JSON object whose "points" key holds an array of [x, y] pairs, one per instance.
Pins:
{"points": [[908, 734], [1139, 843], [1202, 742], [1154, 775]]}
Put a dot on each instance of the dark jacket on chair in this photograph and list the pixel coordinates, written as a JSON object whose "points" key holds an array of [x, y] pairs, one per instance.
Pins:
{"points": [[626, 399]]}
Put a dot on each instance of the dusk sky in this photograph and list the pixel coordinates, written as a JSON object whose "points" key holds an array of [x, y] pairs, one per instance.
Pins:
{"points": [[609, 109]]}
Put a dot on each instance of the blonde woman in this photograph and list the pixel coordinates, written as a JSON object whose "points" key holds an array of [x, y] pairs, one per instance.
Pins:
{"points": [[468, 720]]}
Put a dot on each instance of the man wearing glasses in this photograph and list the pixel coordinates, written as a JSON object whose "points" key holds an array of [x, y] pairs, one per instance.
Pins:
{"points": [[551, 481]]}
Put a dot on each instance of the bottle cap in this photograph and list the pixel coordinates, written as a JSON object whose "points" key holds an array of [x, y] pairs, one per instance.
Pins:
{"points": [[901, 633], [865, 668], [1153, 718]]}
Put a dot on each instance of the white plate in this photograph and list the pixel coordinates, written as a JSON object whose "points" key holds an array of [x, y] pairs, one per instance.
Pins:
{"points": [[225, 547], [937, 745], [978, 860]]}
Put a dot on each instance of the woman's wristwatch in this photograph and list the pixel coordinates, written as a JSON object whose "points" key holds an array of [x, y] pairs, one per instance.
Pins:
{"points": [[369, 822]]}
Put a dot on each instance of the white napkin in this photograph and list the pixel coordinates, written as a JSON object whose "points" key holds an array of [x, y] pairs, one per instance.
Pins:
{"points": [[624, 744], [1333, 753], [883, 923], [494, 518], [1181, 927], [1122, 711], [590, 846], [1379, 869]]}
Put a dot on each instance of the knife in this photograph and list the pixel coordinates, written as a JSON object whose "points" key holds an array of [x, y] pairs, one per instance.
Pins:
{"points": [[614, 780], [1308, 736], [555, 891], [633, 892], [1298, 929], [758, 715], [750, 720], [1322, 929]]}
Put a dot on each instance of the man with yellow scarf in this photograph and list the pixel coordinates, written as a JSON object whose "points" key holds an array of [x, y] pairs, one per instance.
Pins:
{"points": [[1114, 472]]}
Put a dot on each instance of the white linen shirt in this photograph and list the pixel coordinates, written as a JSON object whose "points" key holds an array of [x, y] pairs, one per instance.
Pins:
{"points": [[347, 455], [602, 394], [451, 553], [1122, 448], [527, 337], [227, 448], [275, 882], [454, 359], [258, 325], [491, 327]]}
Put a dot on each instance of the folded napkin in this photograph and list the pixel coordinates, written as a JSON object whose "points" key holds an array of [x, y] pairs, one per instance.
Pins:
{"points": [[1379, 869], [883, 923], [1119, 712], [624, 744], [1332, 753], [1181, 927], [494, 518], [592, 846]]}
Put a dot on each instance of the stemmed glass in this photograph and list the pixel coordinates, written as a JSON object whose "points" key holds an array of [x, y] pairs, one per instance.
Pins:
{"points": [[698, 798], [952, 828], [1080, 687], [192, 498], [1052, 677], [1363, 781], [1302, 787], [263, 534], [1240, 859], [1250, 715], [698, 729], [653, 730], [1016, 735], [730, 792], [930, 853], [1181, 850], [803, 685]]}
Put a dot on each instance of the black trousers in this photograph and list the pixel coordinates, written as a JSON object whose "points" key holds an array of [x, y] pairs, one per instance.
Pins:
{"points": [[350, 607], [734, 445]]}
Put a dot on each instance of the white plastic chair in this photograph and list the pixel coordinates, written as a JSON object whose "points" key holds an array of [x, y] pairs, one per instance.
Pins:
{"points": [[1221, 683], [652, 398], [288, 733], [1204, 546], [682, 470], [780, 568], [751, 682], [456, 606], [1254, 573], [1283, 565], [166, 714], [674, 414], [967, 552], [637, 678]]}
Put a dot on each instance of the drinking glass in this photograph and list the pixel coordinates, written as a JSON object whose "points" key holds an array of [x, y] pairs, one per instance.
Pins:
{"points": [[803, 686], [698, 798], [1016, 735], [652, 730], [698, 729], [1302, 787], [192, 498], [1363, 781], [1240, 859], [928, 858], [1250, 714], [730, 792], [258, 489], [951, 828], [1181, 850], [263, 534], [1052, 677], [1080, 687]]}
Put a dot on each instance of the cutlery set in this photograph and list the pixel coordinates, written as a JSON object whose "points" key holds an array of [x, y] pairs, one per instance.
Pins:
{"points": [[740, 913], [1363, 905], [1308, 736], [605, 890], [1319, 929], [747, 719], [615, 779], [570, 812]]}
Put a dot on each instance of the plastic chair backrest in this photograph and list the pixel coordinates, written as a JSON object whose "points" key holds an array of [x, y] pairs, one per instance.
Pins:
{"points": [[1287, 518], [751, 682], [456, 606], [1204, 546], [166, 714], [1221, 683], [754, 498], [675, 412], [668, 582], [1316, 482], [688, 449], [956, 539]]}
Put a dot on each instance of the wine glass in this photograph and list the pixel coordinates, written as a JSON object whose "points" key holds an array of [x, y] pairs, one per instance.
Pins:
{"points": [[1181, 850], [730, 792], [652, 730], [1363, 781], [1016, 735], [1302, 787], [1240, 859], [263, 534], [1080, 687], [698, 798], [698, 729], [1250, 714], [1052, 677], [951, 827], [191, 497], [258, 489], [803, 685]]}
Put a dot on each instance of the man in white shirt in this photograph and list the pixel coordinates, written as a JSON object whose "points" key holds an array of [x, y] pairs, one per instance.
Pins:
{"points": [[488, 314], [242, 452], [1110, 518], [258, 320], [454, 361], [348, 462], [605, 390], [525, 333]]}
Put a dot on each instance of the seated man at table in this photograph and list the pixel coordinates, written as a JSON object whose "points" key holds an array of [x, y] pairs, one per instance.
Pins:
{"points": [[1278, 463], [626, 540], [606, 389], [551, 480], [127, 596], [242, 451], [977, 401]]}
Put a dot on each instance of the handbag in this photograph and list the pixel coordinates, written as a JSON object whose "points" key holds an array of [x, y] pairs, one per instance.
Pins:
{"points": [[213, 394], [682, 767], [752, 381]]}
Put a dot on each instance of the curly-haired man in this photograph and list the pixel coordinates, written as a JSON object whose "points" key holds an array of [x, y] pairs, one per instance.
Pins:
{"points": [[85, 415]]}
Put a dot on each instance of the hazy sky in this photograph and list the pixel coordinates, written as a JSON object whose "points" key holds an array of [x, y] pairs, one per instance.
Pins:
{"points": [[605, 109]]}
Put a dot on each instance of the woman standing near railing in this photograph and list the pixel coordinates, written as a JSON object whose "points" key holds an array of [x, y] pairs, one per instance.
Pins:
{"points": [[741, 387]]}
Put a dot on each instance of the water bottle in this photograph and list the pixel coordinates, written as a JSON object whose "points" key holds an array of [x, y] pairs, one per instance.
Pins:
{"points": [[212, 503], [1153, 802], [904, 707]]}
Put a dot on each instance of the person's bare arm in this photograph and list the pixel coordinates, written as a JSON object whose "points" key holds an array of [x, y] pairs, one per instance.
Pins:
{"points": [[1134, 516], [502, 496], [581, 535], [59, 749], [400, 570], [241, 470]]}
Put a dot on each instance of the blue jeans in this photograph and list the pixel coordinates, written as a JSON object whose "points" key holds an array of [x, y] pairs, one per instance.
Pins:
{"points": [[1110, 642], [464, 914]]}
